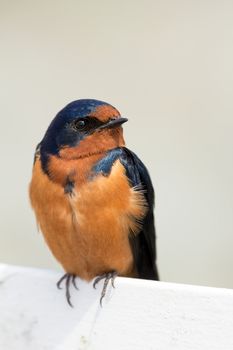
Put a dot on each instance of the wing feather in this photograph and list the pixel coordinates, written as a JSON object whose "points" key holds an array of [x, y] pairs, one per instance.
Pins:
{"points": [[143, 245]]}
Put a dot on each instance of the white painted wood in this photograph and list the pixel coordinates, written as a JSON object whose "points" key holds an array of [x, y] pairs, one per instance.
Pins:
{"points": [[136, 315]]}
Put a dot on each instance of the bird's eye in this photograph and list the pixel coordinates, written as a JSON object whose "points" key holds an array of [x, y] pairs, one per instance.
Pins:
{"points": [[80, 124]]}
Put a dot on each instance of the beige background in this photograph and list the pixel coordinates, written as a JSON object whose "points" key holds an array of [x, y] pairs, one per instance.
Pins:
{"points": [[167, 66]]}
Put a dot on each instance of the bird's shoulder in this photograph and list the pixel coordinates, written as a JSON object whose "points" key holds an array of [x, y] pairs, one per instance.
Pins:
{"points": [[135, 170]]}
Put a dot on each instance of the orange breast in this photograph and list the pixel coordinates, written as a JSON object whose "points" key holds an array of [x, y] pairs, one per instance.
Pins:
{"points": [[88, 231]]}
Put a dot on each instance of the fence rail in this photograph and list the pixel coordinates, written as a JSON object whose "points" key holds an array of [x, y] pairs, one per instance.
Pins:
{"points": [[137, 314]]}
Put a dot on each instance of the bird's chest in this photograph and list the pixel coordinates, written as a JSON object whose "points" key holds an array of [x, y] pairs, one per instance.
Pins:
{"points": [[87, 228]]}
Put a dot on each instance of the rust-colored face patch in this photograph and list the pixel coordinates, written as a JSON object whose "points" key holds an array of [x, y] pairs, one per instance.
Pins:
{"points": [[105, 112], [94, 144]]}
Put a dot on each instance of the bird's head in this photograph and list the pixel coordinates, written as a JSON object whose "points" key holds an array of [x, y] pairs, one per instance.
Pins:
{"points": [[82, 128]]}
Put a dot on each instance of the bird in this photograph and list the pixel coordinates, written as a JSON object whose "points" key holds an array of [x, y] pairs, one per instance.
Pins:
{"points": [[93, 198]]}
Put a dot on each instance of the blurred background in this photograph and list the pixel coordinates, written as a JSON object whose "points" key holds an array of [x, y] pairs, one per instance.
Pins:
{"points": [[167, 66]]}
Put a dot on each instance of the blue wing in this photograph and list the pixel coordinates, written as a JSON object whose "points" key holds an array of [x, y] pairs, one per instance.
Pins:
{"points": [[143, 245]]}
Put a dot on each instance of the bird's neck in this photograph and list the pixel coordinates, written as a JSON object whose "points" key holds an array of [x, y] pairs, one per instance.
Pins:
{"points": [[75, 163]]}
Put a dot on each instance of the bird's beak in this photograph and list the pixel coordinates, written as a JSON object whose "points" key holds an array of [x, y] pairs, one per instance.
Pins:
{"points": [[114, 123]]}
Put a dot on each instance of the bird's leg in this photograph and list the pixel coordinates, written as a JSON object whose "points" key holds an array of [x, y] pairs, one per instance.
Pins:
{"points": [[74, 282], [68, 278], [61, 280], [107, 277]]}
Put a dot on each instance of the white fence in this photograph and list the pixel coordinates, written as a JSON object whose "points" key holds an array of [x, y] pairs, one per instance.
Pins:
{"points": [[137, 314]]}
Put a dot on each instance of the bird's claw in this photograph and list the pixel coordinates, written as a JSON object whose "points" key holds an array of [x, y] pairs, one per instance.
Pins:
{"points": [[107, 277], [68, 278]]}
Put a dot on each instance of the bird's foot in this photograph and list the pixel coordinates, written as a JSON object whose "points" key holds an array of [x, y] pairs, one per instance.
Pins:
{"points": [[68, 278], [107, 277]]}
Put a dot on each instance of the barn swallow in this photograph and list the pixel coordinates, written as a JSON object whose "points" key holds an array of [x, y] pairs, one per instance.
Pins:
{"points": [[93, 198]]}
